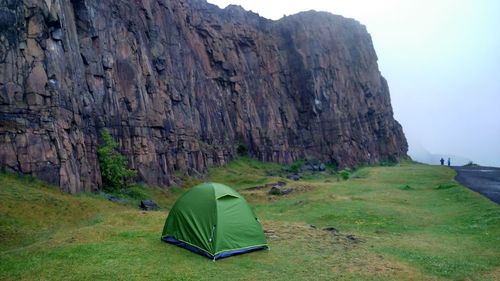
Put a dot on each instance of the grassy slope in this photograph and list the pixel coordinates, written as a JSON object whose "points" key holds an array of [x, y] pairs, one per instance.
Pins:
{"points": [[406, 229]]}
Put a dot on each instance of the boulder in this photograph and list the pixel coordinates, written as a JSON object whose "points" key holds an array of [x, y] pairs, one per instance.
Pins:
{"points": [[279, 190], [307, 167], [331, 229], [322, 167], [148, 205], [352, 238]]}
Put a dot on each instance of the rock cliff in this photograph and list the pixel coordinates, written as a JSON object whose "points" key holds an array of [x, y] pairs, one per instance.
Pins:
{"points": [[181, 84]]}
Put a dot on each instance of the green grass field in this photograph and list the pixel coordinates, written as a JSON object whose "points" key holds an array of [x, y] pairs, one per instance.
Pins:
{"points": [[406, 222]]}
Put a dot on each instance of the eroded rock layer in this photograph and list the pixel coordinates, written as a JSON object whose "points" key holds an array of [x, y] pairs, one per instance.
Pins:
{"points": [[180, 84]]}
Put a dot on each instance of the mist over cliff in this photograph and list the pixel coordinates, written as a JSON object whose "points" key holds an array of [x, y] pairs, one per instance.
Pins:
{"points": [[181, 84]]}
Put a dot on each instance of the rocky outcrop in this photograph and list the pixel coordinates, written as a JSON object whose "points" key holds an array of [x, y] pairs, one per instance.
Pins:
{"points": [[180, 84]]}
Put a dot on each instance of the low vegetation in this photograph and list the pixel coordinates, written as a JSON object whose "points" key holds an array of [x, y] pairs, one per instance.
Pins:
{"points": [[344, 174], [113, 165], [402, 222]]}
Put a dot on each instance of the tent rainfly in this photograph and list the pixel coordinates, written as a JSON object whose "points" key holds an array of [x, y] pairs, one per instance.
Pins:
{"points": [[213, 220]]}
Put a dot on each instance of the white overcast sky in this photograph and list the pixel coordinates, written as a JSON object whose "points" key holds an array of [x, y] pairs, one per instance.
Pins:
{"points": [[442, 62]]}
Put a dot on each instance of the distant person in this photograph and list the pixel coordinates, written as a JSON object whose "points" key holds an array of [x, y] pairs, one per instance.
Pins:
{"points": [[449, 162], [442, 161]]}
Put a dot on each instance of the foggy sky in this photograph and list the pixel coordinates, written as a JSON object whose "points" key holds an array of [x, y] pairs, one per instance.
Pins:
{"points": [[442, 62]]}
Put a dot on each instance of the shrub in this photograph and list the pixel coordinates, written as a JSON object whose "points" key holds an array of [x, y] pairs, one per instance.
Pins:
{"points": [[114, 169], [388, 163], [296, 166], [332, 166], [344, 174], [242, 149]]}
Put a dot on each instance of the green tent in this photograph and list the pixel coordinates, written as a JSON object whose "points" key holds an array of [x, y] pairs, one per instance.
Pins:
{"points": [[213, 220]]}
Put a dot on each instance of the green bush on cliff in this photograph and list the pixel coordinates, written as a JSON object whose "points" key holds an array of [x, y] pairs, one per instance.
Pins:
{"points": [[242, 149], [114, 169]]}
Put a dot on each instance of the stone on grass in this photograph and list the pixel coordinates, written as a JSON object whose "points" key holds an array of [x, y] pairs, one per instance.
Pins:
{"points": [[352, 238], [331, 229], [148, 205], [115, 199], [279, 190]]}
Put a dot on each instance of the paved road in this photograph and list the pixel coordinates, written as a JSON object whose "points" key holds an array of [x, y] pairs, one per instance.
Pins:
{"points": [[485, 180]]}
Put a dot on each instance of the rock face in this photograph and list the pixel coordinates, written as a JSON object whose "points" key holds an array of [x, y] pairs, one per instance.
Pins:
{"points": [[181, 84]]}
